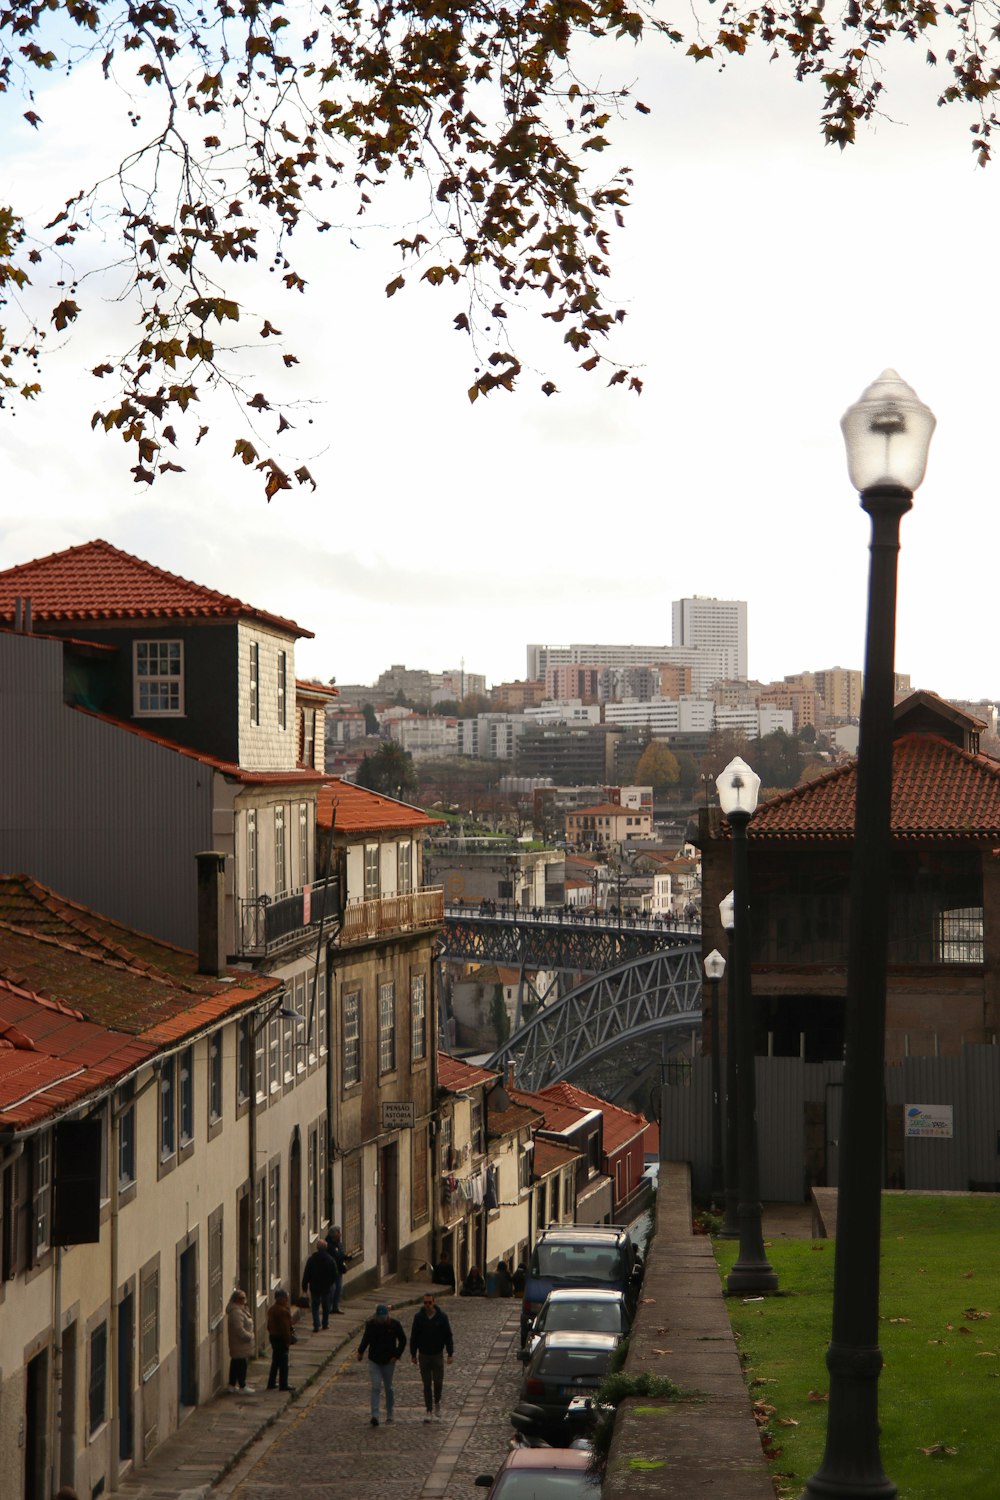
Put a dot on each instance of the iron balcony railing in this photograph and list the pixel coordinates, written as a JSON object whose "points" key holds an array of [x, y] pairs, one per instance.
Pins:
{"points": [[383, 915], [266, 924]]}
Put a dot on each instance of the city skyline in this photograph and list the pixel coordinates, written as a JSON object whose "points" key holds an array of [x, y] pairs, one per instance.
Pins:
{"points": [[442, 530]]}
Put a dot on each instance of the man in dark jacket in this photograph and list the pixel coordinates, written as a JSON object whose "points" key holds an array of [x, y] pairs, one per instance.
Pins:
{"points": [[385, 1341], [430, 1337], [317, 1279], [340, 1257]]}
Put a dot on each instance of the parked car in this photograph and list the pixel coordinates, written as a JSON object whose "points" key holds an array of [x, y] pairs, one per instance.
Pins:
{"points": [[561, 1368], [587, 1309], [575, 1255], [543, 1474]]}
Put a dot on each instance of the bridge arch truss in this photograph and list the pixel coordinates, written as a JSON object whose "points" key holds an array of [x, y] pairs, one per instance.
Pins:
{"points": [[656, 992]]}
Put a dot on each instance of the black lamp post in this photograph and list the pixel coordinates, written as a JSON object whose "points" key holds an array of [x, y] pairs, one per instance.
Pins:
{"points": [[738, 787], [731, 1226], [715, 967], [887, 434]]}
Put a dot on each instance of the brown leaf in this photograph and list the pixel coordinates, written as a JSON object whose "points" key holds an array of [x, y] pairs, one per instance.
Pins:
{"points": [[818, 1396]]}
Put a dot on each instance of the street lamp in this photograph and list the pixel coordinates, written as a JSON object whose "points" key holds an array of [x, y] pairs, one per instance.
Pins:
{"points": [[738, 787], [887, 434], [731, 1226], [715, 967]]}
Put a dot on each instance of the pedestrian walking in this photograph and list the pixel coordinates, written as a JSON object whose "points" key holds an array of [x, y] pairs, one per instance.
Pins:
{"points": [[430, 1340], [340, 1257], [318, 1280], [384, 1341], [279, 1331], [242, 1339]]}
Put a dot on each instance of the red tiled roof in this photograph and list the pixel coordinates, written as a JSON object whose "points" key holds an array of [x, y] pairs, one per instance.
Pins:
{"points": [[46, 1067], [506, 1121], [557, 1115], [358, 810], [86, 966], [548, 1156], [620, 1125], [98, 582], [939, 791], [321, 689], [455, 1075]]}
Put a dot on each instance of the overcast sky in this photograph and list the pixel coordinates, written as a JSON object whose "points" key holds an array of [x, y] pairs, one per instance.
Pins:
{"points": [[768, 280]]}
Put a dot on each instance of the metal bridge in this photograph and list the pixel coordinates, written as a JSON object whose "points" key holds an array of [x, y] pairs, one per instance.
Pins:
{"points": [[657, 992], [556, 940]]}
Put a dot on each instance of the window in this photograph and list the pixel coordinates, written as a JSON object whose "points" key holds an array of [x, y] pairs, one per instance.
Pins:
{"points": [[159, 677], [168, 1110], [149, 1320], [303, 1035], [126, 1135], [303, 843], [352, 1038], [260, 1194], [43, 1192], [386, 1027], [287, 1050], [259, 1061], [252, 880], [215, 1077], [353, 1242], [404, 868], [280, 861], [215, 1292], [282, 689], [274, 1220], [321, 1170], [274, 1054], [320, 1021], [554, 1190], [419, 1201], [446, 1161], [539, 1206], [309, 737], [186, 1065], [418, 1012], [371, 872], [312, 1180], [254, 682], [244, 1044], [477, 1128], [98, 1385]]}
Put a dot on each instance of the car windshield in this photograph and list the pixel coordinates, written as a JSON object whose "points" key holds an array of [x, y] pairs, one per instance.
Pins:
{"points": [[580, 1262], [588, 1317], [521, 1484]]}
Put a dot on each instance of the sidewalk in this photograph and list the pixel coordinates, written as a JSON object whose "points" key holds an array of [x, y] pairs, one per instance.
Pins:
{"points": [[215, 1436]]}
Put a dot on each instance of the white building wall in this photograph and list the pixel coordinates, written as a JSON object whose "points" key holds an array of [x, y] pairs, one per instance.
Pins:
{"points": [[266, 746]]}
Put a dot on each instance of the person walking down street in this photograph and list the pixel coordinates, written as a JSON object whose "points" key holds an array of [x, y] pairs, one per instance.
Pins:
{"points": [[242, 1339], [340, 1257], [279, 1331], [318, 1280], [384, 1341], [430, 1339]]}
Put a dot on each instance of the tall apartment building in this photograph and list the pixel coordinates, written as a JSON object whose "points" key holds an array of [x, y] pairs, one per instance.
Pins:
{"points": [[840, 691], [717, 624], [572, 681]]}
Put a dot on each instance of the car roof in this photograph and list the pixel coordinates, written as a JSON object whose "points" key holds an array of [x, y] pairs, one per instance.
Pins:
{"points": [[585, 1294], [566, 1338], [548, 1458], [577, 1232]]}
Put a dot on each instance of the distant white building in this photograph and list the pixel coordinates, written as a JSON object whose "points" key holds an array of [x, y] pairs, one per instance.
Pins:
{"points": [[433, 735], [714, 624], [564, 711]]}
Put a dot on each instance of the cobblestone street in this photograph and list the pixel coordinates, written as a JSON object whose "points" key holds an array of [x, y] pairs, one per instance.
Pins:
{"points": [[324, 1444]]}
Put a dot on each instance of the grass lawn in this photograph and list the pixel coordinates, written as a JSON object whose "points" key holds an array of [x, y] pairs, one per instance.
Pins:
{"points": [[939, 1334]]}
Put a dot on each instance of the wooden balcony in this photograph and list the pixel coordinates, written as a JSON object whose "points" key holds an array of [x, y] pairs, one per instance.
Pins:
{"points": [[364, 921]]}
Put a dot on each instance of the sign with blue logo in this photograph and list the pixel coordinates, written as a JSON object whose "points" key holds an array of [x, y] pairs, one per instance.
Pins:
{"points": [[929, 1120]]}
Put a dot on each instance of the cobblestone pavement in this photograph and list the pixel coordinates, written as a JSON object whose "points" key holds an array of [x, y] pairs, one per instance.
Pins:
{"points": [[324, 1444]]}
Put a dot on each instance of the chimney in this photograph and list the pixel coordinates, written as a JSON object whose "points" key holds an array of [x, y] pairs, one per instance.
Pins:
{"points": [[211, 912], [510, 1073]]}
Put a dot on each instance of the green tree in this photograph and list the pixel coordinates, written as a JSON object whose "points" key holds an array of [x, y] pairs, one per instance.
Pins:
{"points": [[777, 759], [371, 718], [389, 771], [253, 120], [657, 767]]}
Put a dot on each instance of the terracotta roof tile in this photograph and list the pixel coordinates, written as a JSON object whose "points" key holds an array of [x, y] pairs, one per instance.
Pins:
{"points": [[456, 1075], [357, 810], [75, 963], [98, 582], [939, 791], [557, 1115], [548, 1156], [620, 1125]]}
